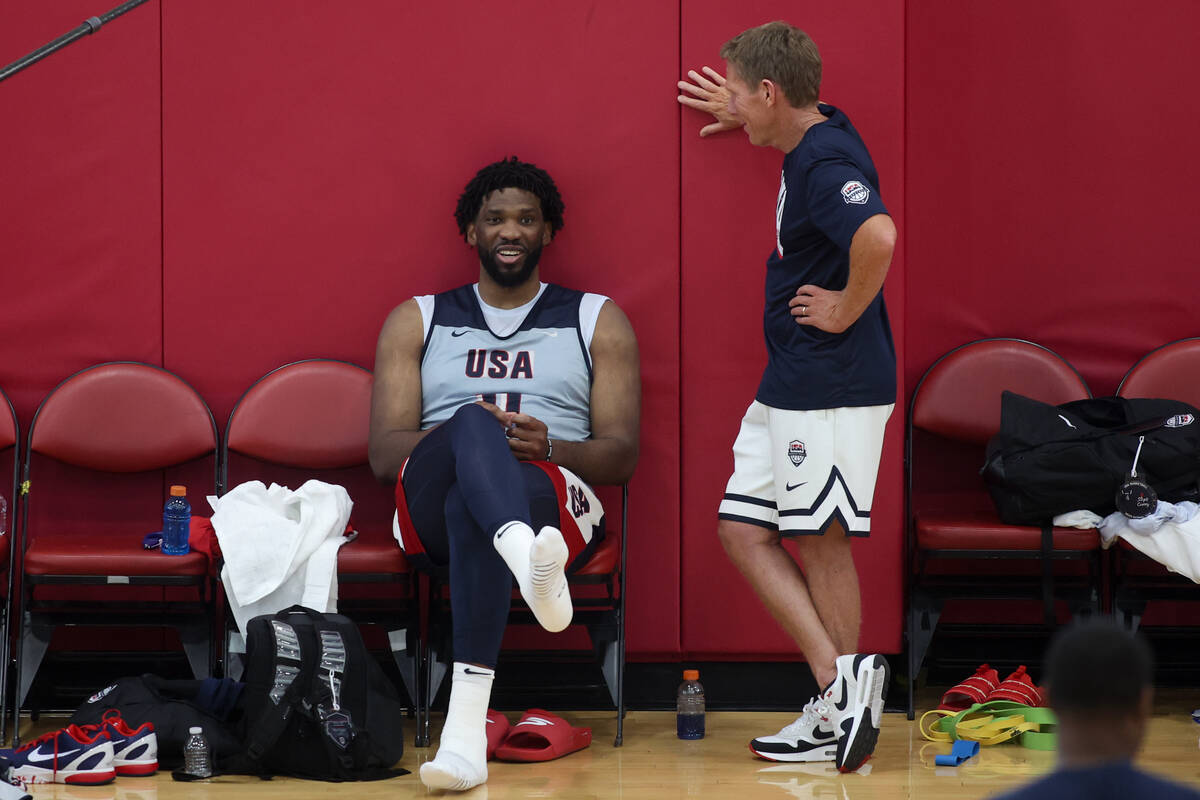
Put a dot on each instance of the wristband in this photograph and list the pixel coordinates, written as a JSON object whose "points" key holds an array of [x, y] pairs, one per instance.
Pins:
{"points": [[549, 449]]}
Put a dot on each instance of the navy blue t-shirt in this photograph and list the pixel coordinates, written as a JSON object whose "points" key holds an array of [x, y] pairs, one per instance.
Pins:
{"points": [[828, 189], [1120, 781]]}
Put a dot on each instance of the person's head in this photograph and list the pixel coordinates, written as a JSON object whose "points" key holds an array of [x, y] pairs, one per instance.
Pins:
{"points": [[508, 212], [1101, 678], [768, 69]]}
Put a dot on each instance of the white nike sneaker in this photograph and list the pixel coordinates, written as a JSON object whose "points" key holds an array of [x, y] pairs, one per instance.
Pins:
{"points": [[812, 737], [858, 730]]}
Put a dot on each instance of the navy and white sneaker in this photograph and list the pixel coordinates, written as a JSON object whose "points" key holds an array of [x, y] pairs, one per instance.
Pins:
{"points": [[812, 737], [857, 695], [70, 755], [135, 750]]}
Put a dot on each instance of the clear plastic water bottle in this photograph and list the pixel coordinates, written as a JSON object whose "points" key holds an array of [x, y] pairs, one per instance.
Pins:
{"points": [[689, 706], [177, 522], [197, 757]]}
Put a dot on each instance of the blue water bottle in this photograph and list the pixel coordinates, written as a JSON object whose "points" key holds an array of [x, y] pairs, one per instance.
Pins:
{"points": [[689, 706], [177, 522]]}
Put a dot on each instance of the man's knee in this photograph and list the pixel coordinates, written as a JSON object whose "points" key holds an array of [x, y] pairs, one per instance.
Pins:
{"points": [[832, 547], [474, 416], [739, 537]]}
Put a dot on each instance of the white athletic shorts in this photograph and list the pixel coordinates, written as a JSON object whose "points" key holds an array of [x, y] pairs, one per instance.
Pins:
{"points": [[798, 471]]}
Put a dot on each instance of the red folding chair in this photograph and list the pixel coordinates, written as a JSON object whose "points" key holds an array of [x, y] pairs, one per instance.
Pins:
{"points": [[1172, 372], [10, 438], [122, 431], [311, 419], [951, 522]]}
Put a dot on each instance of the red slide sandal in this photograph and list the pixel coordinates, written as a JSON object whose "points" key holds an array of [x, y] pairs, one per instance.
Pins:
{"points": [[542, 736], [498, 727]]}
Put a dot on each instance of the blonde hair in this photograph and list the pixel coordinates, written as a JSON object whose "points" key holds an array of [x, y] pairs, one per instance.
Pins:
{"points": [[780, 53]]}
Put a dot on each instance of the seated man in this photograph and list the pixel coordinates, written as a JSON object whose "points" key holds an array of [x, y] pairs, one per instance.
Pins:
{"points": [[1102, 691], [496, 404]]}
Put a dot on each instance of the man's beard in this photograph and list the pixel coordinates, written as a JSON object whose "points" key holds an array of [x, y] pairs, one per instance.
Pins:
{"points": [[509, 279]]}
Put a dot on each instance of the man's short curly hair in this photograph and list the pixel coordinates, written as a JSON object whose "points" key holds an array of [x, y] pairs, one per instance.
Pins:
{"points": [[510, 173]]}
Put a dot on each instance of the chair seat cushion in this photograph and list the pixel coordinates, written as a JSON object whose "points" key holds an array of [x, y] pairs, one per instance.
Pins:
{"points": [[81, 554], [968, 521], [604, 559], [372, 555]]}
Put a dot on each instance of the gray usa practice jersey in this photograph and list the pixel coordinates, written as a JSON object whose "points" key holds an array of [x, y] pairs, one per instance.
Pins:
{"points": [[542, 368]]}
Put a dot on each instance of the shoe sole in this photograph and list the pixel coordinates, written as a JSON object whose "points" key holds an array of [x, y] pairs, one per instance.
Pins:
{"points": [[861, 729], [33, 775], [826, 753], [135, 770]]}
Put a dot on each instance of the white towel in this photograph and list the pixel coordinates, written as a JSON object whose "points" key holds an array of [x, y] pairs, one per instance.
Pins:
{"points": [[279, 546], [1174, 543]]}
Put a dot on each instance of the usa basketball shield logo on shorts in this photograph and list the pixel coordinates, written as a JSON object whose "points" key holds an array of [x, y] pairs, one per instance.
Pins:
{"points": [[796, 452]]}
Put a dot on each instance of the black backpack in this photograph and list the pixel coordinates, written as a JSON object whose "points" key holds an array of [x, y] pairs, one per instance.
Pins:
{"points": [[1049, 460], [316, 704]]}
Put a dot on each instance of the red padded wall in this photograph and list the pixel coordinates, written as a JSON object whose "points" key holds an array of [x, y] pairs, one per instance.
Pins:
{"points": [[80, 244], [1050, 147], [728, 203], [314, 153], [80, 232]]}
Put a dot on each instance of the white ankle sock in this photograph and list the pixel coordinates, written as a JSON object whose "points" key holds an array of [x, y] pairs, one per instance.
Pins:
{"points": [[461, 760], [538, 563]]}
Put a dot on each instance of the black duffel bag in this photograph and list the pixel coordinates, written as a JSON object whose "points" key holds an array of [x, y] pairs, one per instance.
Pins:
{"points": [[1049, 460]]}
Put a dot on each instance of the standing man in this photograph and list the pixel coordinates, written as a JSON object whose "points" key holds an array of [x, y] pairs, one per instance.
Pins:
{"points": [[494, 406], [807, 454]]}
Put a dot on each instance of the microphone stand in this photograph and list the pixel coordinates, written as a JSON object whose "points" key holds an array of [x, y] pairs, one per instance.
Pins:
{"points": [[89, 26]]}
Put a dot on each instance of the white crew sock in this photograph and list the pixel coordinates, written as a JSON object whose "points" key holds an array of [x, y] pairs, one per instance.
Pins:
{"points": [[547, 566], [461, 760], [538, 563]]}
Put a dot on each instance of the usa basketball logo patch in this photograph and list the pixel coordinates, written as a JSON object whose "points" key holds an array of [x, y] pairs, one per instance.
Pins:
{"points": [[98, 696], [855, 192], [1179, 420], [796, 452]]}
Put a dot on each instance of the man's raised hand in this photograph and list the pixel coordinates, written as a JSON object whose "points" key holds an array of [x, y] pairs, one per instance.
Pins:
{"points": [[528, 437], [709, 94]]}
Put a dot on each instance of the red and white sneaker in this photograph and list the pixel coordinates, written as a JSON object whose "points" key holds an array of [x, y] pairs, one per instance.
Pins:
{"points": [[135, 750], [70, 755]]}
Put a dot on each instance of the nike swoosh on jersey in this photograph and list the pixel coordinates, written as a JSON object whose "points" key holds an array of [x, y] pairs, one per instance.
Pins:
{"points": [[459, 333], [791, 486], [38, 756], [533, 721]]}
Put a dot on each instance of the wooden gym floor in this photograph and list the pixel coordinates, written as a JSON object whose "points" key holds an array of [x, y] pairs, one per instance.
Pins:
{"points": [[654, 764]]}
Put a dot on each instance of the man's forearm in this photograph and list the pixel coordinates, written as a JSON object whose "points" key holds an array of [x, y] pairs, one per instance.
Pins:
{"points": [[605, 461], [388, 451], [870, 257]]}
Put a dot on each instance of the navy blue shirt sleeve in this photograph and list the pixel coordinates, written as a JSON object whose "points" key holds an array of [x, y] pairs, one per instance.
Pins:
{"points": [[840, 198]]}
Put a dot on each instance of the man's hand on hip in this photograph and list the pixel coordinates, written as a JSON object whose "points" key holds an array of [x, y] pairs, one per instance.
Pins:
{"points": [[819, 308]]}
